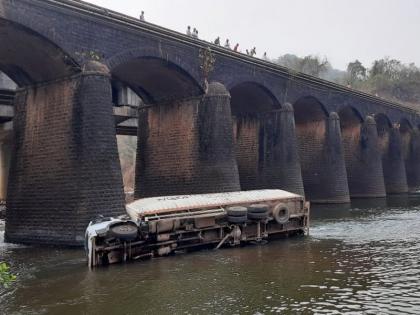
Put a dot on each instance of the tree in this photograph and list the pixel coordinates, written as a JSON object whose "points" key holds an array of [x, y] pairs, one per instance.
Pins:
{"points": [[356, 72], [312, 65], [388, 78], [6, 277], [392, 79]]}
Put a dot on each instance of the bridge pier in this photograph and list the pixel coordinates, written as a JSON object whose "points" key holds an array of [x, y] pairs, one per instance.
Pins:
{"points": [[411, 152], [65, 167], [322, 160], [393, 162], [186, 147], [278, 163], [6, 142], [266, 151], [363, 160]]}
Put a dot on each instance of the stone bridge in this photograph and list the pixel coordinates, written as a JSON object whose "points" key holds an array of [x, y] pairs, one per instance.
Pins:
{"points": [[209, 120]]}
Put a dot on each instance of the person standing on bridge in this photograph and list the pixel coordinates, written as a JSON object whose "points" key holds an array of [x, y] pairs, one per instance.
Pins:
{"points": [[253, 52], [236, 47], [195, 33], [142, 16], [189, 31], [217, 41], [227, 44]]}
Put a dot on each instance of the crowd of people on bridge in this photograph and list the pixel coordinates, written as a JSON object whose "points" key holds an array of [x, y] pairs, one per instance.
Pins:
{"points": [[194, 34], [252, 52]]}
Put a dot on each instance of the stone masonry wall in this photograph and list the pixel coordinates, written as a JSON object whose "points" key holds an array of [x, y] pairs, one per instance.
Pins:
{"points": [[65, 167], [322, 161], [186, 147], [363, 160], [246, 130]]}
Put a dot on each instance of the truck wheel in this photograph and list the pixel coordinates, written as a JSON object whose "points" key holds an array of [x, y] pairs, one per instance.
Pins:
{"points": [[281, 213], [258, 216], [258, 208], [237, 220], [124, 231], [237, 211]]}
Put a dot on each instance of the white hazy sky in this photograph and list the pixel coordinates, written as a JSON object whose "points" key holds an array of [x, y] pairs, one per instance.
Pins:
{"points": [[341, 30]]}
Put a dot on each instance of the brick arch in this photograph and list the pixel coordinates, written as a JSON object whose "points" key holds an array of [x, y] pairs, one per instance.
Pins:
{"points": [[309, 108], [156, 74], [29, 57], [320, 152], [350, 116], [250, 97]]}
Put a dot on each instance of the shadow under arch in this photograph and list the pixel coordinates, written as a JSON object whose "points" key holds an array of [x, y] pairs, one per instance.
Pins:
{"points": [[27, 57], [155, 76], [309, 109], [349, 117], [251, 98], [383, 124]]}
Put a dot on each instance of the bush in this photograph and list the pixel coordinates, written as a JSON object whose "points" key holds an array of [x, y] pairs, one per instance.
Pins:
{"points": [[6, 277]]}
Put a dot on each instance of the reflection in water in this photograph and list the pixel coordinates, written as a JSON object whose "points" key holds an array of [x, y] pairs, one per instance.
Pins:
{"points": [[362, 258]]}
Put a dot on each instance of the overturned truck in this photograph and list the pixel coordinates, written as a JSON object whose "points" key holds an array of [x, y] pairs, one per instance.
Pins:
{"points": [[164, 225]]}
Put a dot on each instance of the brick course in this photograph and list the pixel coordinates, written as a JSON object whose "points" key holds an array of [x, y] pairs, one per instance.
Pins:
{"points": [[363, 160], [322, 161], [186, 147], [65, 167]]}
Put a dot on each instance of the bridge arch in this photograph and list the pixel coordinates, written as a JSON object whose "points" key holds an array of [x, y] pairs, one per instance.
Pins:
{"points": [[320, 151], [251, 98], [155, 75], [265, 140], [28, 57], [309, 109]]}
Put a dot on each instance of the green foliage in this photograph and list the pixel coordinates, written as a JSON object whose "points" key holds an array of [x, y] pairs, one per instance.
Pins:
{"points": [[394, 80], [312, 65], [6, 277], [387, 78], [356, 72]]}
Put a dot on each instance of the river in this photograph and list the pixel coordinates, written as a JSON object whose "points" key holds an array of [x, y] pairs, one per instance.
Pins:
{"points": [[358, 259]]}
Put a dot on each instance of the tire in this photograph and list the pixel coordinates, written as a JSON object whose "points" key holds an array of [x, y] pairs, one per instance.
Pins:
{"points": [[258, 208], [258, 216], [237, 211], [124, 231], [237, 220], [281, 213]]}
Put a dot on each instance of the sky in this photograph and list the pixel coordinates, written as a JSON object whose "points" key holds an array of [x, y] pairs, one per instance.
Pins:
{"points": [[341, 30]]}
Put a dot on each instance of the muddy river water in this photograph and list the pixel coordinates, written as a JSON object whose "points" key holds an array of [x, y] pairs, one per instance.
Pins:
{"points": [[359, 259]]}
